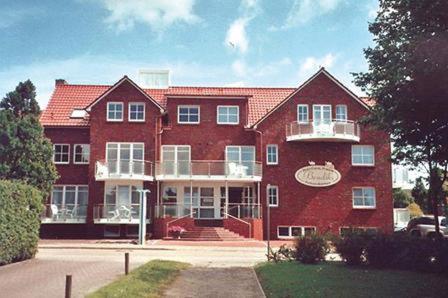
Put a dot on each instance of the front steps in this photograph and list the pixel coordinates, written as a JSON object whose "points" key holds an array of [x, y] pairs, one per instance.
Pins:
{"points": [[200, 233]]}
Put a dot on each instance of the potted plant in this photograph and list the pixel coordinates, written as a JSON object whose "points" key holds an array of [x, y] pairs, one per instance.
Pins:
{"points": [[176, 231]]}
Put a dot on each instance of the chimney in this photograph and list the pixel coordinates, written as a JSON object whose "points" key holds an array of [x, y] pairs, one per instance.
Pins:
{"points": [[59, 82]]}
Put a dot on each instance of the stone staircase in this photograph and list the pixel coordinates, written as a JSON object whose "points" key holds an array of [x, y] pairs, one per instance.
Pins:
{"points": [[200, 233]]}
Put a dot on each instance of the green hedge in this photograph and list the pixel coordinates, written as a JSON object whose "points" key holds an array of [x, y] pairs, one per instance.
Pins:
{"points": [[20, 209]]}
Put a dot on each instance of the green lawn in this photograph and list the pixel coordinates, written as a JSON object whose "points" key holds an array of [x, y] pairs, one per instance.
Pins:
{"points": [[148, 280], [292, 279]]}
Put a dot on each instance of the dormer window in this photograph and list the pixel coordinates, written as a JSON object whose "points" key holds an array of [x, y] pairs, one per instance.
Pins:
{"points": [[228, 115], [114, 111], [78, 113], [136, 112], [188, 114]]}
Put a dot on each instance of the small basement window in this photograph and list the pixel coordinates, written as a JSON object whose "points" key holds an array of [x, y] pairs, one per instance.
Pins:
{"points": [[294, 231], [78, 113]]}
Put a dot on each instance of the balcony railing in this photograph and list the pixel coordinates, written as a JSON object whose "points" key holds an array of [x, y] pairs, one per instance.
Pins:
{"points": [[118, 214], [209, 170], [325, 131], [126, 170], [242, 210], [69, 213]]}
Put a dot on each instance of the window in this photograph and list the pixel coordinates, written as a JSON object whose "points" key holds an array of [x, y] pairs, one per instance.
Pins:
{"points": [[240, 160], [302, 114], [228, 115], [363, 155], [364, 197], [343, 231], [125, 198], [81, 153], [272, 193], [188, 114], [321, 114], [125, 158], [294, 231], [71, 199], [136, 112], [61, 153], [272, 154], [114, 111], [78, 113], [169, 194], [341, 113], [175, 160]]}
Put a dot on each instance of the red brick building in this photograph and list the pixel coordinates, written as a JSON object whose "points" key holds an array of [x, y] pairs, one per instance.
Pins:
{"points": [[215, 156]]}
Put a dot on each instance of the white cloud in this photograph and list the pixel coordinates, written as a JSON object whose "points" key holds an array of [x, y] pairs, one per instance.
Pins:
{"points": [[236, 36], [261, 72], [158, 14], [239, 67], [302, 11], [312, 64], [235, 84]]}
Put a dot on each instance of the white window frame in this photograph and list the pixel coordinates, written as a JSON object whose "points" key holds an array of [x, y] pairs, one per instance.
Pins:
{"points": [[129, 111], [188, 107], [307, 113], [290, 236], [275, 146], [268, 188], [362, 155], [336, 118], [54, 154], [321, 107], [228, 122], [64, 187], [74, 155], [363, 198], [108, 109]]}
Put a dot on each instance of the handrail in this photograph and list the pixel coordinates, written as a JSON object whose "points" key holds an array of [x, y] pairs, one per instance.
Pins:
{"points": [[179, 218], [238, 219]]}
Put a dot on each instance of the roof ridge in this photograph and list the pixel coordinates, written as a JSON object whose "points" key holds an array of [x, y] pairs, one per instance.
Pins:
{"points": [[229, 87]]}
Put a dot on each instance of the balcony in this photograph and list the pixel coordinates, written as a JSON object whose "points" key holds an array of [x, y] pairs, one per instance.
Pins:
{"points": [[331, 131], [118, 214], [64, 214], [203, 170], [124, 170]]}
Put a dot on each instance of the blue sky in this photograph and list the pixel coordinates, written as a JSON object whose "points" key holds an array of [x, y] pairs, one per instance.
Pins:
{"points": [[202, 42]]}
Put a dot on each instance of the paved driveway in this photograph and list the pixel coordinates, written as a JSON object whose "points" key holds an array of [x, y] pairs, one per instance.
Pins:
{"points": [[93, 268]]}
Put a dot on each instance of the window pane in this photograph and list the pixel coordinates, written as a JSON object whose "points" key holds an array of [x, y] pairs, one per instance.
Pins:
{"points": [[110, 195], [83, 195], [283, 231], [296, 231], [70, 193], [57, 195]]}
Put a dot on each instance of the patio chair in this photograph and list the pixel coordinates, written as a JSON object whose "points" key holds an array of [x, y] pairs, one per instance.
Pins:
{"points": [[55, 212]]}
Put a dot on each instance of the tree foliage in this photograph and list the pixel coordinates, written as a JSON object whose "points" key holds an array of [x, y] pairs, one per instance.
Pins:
{"points": [[25, 154], [420, 195], [22, 101], [408, 78], [401, 198]]}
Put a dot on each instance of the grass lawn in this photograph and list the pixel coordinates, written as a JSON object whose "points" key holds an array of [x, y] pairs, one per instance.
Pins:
{"points": [[148, 280], [291, 279]]}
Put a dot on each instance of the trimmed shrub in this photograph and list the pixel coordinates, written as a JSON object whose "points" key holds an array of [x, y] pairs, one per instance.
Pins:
{"points": [[311, 249], [20, 209], [352, 245]]}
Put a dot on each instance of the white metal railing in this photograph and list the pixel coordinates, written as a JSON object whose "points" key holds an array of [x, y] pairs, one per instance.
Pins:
{"points": [[68, 213], [118, 213], [239, 210], [347, 129], [207, 168], [126, 169]]}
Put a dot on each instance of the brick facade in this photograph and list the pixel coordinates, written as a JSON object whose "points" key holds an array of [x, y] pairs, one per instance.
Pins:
{"points": [[326, 208]]}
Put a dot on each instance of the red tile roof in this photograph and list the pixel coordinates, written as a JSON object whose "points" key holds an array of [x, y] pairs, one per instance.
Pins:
{"points": [[67, 97]]}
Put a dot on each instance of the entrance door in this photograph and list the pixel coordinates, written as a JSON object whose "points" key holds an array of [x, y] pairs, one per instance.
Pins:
{"points": [[206, 203]]}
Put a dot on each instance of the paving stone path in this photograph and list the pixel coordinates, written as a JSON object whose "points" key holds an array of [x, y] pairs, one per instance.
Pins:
{"points": [[215, 282]]}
